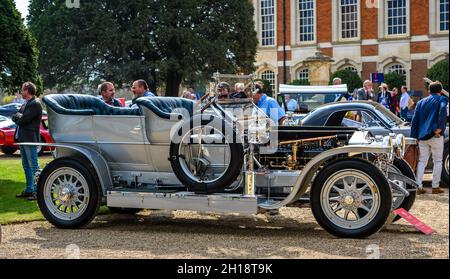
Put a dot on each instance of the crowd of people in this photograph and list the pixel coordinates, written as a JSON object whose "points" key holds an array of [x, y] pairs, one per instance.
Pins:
{"points": [[400, 105]]}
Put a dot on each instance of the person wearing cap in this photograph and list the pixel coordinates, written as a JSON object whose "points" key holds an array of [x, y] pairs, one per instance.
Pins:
{"points": [[269, 105], [385, 97], [224, 90], [107, 92]]}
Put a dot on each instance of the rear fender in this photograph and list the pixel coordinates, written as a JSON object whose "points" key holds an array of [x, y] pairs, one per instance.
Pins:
{"points": [[82, 153]]}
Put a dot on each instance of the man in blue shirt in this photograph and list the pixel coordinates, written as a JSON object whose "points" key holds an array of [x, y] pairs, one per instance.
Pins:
{"points": [[428, 126], [268, 105], [140, 89]]}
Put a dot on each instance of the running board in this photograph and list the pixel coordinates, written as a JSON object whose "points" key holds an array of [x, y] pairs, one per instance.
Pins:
{"points": [[217, 203]]}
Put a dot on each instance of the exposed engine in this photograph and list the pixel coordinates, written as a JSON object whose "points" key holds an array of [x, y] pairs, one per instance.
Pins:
{"points": [[293, 155]]}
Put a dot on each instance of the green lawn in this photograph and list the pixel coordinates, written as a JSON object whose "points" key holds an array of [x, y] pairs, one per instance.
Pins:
{"points": [[12, 182]]}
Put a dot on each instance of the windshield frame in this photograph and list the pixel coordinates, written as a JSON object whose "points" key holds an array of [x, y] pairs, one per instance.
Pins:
{"points": [[388, 116]]}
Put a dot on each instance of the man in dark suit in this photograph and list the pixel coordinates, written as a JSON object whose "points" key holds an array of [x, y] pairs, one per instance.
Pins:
{"points": [[385, 97], [28, 121], [366, 93]]}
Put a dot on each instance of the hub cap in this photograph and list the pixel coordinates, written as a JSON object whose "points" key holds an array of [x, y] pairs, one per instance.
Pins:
{"points": [[350, 199], [66, 194]]}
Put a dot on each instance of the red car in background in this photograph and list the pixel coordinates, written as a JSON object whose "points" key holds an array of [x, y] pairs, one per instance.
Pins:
{"points": [[7, 130]]}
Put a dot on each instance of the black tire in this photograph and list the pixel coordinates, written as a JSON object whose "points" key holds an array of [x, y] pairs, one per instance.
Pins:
{"points": [[406, 170], [122, 210], [236, 152], [366, 168], [94, 198], [444, 176], [9, 150]]}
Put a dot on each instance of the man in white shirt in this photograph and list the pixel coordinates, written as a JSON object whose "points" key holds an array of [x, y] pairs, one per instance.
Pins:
{"points": [[292, 104], [404, 103]]}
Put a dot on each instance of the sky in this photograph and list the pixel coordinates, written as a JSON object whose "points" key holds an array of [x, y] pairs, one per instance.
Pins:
{"points": [[22, 6]]}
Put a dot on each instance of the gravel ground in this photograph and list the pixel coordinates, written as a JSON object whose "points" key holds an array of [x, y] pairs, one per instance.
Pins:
{"points": [[182, 234]]}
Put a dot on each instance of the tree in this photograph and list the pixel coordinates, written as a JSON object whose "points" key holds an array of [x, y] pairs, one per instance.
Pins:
{"points": [[439, 72], [102, 40], [166, 41], [302, 82], [348, 77], [18, 53], [395, 79]]}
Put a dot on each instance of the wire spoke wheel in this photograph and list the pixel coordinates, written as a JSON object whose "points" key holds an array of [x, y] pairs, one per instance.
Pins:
{"points": [[66, 194], [350, 199]]}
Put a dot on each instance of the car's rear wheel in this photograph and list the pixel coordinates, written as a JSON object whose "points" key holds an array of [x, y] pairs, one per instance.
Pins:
{"points": [[67, 194], [351, 199], [444, 177], [9, 150]]}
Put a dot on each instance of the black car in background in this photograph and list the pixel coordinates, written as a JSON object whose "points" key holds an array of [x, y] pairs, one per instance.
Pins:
{"points": [[373, 117]]}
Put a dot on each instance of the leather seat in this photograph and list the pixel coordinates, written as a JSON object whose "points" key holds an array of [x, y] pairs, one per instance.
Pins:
{"points": [[75, 104], [164, 106]]}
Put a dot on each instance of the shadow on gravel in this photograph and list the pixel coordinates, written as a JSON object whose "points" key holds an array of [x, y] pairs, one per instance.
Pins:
{"points": [[161, 235]]}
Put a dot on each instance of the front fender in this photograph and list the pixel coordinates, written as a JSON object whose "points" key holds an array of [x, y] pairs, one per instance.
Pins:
{"points": [[306, 176], [76, 151]]}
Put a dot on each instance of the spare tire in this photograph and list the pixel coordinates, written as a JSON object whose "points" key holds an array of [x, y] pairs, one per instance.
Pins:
{"points": [[196, 151]]}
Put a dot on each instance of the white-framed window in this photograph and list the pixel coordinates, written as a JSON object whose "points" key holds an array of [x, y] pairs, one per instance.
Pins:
{"points": [[397, 16], [270, 77], [443, 15], [396, 68], [303, 74], [267, 23], [349, 19], [306, 20]]}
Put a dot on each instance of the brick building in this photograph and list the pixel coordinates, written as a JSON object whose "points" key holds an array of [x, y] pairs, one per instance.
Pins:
{"points": [[406, 36]]}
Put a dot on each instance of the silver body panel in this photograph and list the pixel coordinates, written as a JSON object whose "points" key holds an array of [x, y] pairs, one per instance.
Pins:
{"points": [[246, 205]]}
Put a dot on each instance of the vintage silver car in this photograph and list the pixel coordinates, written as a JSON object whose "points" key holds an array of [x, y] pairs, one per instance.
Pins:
{"points": [[211, 156]]}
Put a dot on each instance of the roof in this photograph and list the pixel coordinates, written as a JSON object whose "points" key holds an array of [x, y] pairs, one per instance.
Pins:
{"points": [[348, 105], [287, 89]]}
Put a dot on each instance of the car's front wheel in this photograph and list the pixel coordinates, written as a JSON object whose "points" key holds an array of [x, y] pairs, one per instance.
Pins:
{"points": [[67, 194], [351, 199]]}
